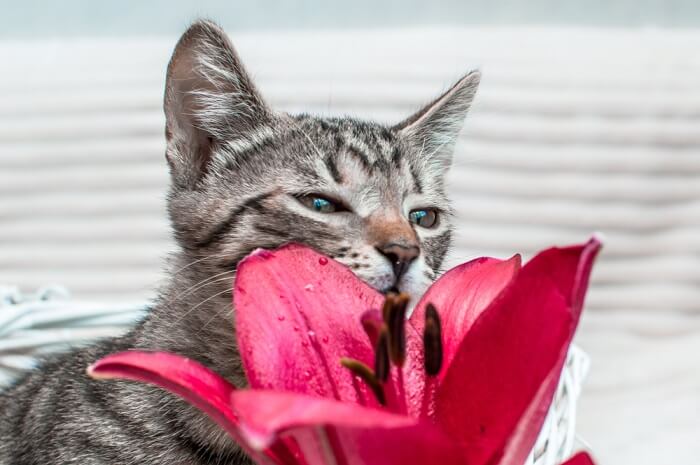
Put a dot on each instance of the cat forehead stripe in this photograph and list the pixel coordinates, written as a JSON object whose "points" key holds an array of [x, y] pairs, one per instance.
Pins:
{"points": [[385, 142], [252, 140], [358, 148]]}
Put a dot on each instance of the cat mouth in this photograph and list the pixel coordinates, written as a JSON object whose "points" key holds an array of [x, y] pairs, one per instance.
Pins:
{"points": [[391, 289], [383, 283]]}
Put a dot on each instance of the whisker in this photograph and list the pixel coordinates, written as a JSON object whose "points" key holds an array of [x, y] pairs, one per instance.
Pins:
{"points": [[207, 300], [213, 317], [199, 285], [208, 257], [204, 326], [467, 160], [181, 317]]}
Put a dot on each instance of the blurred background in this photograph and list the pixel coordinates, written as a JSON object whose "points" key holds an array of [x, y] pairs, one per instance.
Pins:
{"points": [[588, 119]]}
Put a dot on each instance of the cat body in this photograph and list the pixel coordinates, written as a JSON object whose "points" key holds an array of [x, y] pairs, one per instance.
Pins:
{"points": [[242, 177]]}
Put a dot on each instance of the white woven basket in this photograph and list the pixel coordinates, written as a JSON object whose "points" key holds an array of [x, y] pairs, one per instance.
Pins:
{"points": [[49, 321]]}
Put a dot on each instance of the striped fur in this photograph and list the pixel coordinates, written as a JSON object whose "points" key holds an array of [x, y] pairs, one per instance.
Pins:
{"points": [[238, 169]]}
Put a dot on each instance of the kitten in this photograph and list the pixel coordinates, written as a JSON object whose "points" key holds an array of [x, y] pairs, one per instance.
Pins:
{"points": [[243, 176]]}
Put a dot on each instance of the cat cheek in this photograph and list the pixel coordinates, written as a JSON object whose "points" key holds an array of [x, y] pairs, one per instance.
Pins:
{"points": [[379, 277]]}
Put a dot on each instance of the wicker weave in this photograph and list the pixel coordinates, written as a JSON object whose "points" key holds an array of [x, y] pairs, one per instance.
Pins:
{"points": [[49, 321]]}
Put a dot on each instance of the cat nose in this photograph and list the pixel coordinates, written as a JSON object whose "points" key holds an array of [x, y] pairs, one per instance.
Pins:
{"points": [[400, 256]]}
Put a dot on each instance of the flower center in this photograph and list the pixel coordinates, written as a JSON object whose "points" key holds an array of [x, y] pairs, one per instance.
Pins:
{"points": [[388, 335]]}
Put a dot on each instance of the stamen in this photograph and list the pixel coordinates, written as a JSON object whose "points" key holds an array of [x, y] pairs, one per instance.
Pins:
{"points": [[397, 329], [372, 323], [367, 375], [381, 355], [432, 341], [388, 304]]}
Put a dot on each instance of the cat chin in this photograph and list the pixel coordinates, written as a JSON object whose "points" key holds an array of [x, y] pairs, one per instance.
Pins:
{"points": [[414, 283]]}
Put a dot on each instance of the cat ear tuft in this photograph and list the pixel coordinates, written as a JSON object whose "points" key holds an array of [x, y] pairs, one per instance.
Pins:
{"points": [[209, 99], [435, 127]]}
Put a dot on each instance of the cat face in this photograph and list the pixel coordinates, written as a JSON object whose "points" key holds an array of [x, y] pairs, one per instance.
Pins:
{"points": [[243, 176]]}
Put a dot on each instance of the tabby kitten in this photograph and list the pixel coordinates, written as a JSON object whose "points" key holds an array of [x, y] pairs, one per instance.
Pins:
{"points": [[243, 176]]}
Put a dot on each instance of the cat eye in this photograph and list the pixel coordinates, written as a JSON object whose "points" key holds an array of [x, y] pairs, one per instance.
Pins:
{"points": [[321, 204], [425, 218]]}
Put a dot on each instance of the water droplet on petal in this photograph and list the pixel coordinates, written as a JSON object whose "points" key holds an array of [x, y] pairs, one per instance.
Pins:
{"points": [[309, 287], [325, 339], [280, 317], [304, 344], [323, 261], [307, 374], [296, 328], [312, 334]]}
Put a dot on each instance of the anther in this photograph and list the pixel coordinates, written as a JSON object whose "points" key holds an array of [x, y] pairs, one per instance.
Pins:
{"points": [[365, 373], [388, 304], [432, 341], [381, 356], [397, 329]]}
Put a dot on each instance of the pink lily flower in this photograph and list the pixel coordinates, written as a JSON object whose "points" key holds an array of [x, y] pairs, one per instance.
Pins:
{"points": [[337, 376]]}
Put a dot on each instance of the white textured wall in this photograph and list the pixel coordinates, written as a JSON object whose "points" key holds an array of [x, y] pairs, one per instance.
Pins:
{"points": [[573, 132]]}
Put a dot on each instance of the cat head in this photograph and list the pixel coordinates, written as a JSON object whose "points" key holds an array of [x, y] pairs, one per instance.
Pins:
{"points": [[245, 176]]}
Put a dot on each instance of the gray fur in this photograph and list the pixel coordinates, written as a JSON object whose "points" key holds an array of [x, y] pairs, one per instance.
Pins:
{"points": [[237, 171]]}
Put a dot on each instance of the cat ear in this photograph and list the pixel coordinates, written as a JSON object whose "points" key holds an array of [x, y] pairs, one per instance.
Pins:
{"points": [[435, 127], [209, 99]]}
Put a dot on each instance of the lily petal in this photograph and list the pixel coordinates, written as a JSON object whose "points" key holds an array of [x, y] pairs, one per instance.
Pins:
{"points": [[195, 383], [331, 432], [461, 294], [297, 314], [570, 268], [500, 384], [326, 431]]}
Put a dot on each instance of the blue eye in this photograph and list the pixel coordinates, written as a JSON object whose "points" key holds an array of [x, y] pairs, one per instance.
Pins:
{"points": [[320, 204], [425, 218]]}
